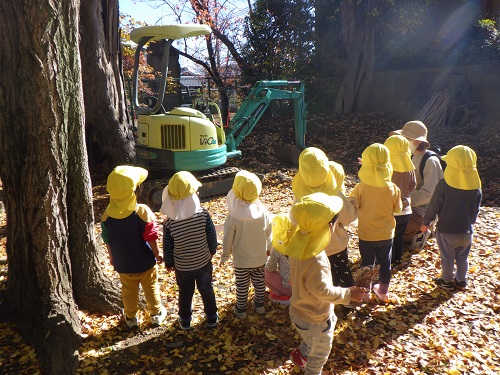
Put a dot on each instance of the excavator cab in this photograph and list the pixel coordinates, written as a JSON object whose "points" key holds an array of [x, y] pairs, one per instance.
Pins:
{"points": [[194, 140], [180, 139]]}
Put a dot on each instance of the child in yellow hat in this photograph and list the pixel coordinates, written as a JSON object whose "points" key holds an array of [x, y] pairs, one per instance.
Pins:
{"points": [[303, 236], [247, 235], [130, 233], [378, 199], [455, 202], [404, 177], [189, 243], [317, 174]]}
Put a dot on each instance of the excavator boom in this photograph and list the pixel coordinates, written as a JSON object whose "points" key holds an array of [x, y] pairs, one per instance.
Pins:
{"points": [[256, 103], [188, 139]]}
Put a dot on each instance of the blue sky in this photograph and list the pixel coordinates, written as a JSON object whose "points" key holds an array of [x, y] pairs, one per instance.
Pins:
{"points": [[146, 11], [143, 11]]}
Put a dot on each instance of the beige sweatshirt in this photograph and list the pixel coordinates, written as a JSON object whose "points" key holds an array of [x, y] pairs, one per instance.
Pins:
{"points": [[340, 237], [248, 240], [313, 292]]}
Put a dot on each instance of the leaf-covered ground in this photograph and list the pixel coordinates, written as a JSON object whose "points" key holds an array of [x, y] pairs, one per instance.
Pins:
{"points": [[423, 330]]}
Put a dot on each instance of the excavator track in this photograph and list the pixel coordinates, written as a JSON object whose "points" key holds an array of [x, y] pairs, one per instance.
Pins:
{"points": [[215, 182]]}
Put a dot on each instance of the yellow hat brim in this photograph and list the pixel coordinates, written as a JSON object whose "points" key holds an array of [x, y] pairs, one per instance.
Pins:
{"points": [[462, 179], [375, 176]]}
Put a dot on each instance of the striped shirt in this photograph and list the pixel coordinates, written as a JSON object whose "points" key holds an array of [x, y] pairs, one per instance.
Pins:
{"points": [[189, 244]]}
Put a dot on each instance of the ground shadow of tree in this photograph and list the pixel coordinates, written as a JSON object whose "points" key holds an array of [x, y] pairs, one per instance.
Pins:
{"points": [[380, 325], [254, 343]]}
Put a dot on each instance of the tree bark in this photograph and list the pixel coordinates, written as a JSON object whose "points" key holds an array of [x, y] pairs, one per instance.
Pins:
{"points": [[110, 141], [105, 118], [41, 98], [359, 21]]}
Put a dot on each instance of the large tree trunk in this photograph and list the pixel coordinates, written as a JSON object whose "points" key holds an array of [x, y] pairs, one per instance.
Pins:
{"points": [[105, 117], [359, 21], [40, 105], [109, 138]]}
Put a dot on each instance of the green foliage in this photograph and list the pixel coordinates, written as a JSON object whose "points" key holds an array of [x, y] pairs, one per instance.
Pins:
{"points": [[493, 37], [280, 38], [434, 34]]}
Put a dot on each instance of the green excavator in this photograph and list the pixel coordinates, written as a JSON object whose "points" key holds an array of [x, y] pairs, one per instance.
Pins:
{"points": [[186, 139]]}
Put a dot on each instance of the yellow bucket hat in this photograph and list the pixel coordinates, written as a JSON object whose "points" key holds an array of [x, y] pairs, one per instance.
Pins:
{"points": [[314, 174], [181, 185], [247, 186], [376, 169], [312, 234], [461, 171], [283, 230], [338, 174], [121, 185], [400, 155]]}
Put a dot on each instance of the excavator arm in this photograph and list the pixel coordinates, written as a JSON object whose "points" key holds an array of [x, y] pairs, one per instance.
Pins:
{"points": [[256, 103]]}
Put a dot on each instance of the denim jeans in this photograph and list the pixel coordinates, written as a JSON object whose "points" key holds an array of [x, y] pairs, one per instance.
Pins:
{"points": [[186, 281], [316, 342], [454, 248], [381, 252], [399, 242]]}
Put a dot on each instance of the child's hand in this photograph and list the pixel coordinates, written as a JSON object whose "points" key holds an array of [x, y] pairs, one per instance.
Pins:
{"points": [[159, 259], [424, 228], [359, 294]]}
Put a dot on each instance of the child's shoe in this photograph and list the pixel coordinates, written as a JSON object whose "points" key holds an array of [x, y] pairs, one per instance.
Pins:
{"points": [[460, 285], [157, 320], [419, 240], [381, 291], [185, 326], [446, 285], [284, 299], [213, 321], [241, 314], [298, 359], [259, 308], [132, 323]]}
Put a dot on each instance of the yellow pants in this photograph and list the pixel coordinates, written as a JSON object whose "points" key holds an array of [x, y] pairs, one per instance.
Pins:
{"points": [[130, 291]]}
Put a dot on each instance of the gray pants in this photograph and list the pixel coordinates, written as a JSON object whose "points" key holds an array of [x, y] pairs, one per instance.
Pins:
{"points": [[316, 342], [454, 248]]}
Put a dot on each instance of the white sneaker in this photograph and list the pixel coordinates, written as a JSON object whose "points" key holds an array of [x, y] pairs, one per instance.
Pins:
{"points": [[157, 320], [260, 308], [241, 314], [419, 240], [131, 323]]}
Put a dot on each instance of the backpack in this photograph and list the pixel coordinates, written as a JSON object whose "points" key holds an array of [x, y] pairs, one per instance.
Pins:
{"points": [[435, 151]]}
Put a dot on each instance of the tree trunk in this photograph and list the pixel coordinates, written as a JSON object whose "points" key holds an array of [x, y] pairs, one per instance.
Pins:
{"points": [[41, 98], [358, 31], [109, 138], [104, 104], [219, 83]]}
